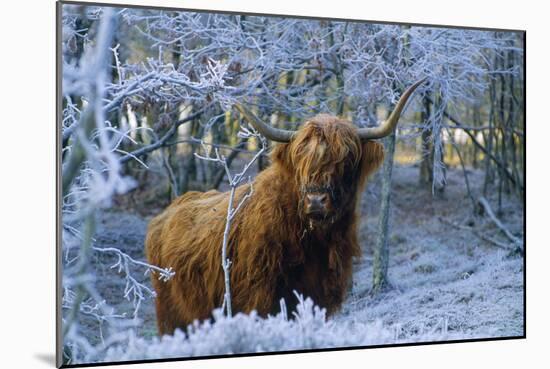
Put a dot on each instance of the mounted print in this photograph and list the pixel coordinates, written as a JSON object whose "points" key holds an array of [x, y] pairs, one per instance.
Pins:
{"points": [[245, 184]]}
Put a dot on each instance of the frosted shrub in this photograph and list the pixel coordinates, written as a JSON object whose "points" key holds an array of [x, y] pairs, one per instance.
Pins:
{"points": [[249, 333]]}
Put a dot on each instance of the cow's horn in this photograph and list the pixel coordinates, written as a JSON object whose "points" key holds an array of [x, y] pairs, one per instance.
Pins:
{"points": [[387, 127], [270, 132]]}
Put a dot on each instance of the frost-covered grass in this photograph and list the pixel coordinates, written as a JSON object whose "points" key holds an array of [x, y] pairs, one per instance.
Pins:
{"points": [[446, 285], [441, 276], [249, 333]]}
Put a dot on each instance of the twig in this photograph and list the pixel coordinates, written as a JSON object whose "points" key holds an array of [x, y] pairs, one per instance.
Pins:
{"points": [[463, 170], [462, 127], [165, 274], [218, 176], [485, 204], [234, 182], [476, 233], [127, 90], [480, 146], [162, 141], [174, 188], [133, 287], [197, 141]]}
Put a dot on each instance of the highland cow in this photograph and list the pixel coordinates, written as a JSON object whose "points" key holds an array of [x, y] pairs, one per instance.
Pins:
{"points": [[297, 232]]}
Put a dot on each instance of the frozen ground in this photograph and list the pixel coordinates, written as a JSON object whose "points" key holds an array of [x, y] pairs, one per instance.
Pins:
{"points": [[442, 277], [446, 283]]}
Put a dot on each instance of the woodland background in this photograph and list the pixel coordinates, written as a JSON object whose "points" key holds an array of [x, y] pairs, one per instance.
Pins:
{"points": [[142, 89]]}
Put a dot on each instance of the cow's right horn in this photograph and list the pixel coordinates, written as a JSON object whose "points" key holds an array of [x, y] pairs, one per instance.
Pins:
{"points": [[270, 132], [387, 127]]}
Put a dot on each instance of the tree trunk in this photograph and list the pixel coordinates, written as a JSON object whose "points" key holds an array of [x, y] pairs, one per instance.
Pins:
{"points": [[381, 251], [490, 137], [427, 150], [477, 123]]}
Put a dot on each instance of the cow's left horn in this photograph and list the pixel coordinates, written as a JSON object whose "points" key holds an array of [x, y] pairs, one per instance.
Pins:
{"points": [[270, 132], [387, 127]]}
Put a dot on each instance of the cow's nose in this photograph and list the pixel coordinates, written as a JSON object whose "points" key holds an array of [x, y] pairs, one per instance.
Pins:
{"points": [[317, 201]]}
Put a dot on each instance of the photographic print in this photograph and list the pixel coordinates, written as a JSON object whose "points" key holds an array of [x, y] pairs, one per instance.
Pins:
{"points": [[244, 184]]}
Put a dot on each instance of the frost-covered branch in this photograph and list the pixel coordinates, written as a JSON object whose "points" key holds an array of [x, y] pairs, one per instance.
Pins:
{"points": [[164, 139], [234, 182], [133, 288]]}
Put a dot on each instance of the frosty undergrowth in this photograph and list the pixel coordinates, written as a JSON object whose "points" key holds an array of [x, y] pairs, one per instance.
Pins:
{"points": [[250, 333]]}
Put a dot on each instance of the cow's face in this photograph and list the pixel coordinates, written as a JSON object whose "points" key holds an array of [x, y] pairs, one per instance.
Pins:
{"points": [[328, 158], [324, 159]]}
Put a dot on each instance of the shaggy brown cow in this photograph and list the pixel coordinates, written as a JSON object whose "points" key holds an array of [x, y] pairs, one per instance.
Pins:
{"points": [[298, 231]]}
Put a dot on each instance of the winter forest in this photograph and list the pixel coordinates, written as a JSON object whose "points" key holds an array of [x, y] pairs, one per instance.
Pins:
{"points": [[147, 113]]}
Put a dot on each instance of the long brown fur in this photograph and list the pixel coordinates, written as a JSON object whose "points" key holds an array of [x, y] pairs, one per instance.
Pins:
{"points": [[272, 247]]}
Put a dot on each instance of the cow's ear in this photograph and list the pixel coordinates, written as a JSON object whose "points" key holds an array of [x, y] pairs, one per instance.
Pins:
{"points": [[373, 156]]}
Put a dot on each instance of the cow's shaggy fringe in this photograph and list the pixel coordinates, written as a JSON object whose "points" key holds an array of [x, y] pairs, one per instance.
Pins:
{"points": [[274, 247]]}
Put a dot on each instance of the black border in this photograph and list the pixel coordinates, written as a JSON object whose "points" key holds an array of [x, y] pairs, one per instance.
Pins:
{"points": [[58, 112]]}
